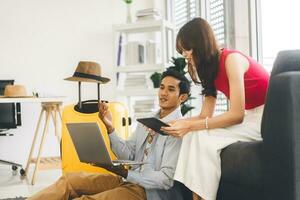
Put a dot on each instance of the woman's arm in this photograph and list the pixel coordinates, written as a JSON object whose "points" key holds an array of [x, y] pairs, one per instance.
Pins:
{"points": [[236, 65], [207, 109]]}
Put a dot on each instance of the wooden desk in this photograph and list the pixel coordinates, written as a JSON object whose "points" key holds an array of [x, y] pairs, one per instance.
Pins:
{"points": [[50, 106]]}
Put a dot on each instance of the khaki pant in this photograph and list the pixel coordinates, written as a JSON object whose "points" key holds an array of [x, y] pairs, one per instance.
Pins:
{"points": [[81, 186]]}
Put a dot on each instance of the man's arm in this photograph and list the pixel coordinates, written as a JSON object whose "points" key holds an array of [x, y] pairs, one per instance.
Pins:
{"points": [[124, 149], [119, 170], [163, 178]]}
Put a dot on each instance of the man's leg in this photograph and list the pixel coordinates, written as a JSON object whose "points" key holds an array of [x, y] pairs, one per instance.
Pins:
{"points": [[60, 190], [76, 184], [125, 191]]}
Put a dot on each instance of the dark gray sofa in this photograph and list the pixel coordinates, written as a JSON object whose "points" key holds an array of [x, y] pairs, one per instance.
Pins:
{"points": [[269, 169]]}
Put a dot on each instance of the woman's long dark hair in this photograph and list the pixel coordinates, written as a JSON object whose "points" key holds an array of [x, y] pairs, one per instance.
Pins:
{"points": [[197, 35]]}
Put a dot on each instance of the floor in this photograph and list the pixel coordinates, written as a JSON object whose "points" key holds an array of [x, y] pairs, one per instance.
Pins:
{"points": [[12, 185]]}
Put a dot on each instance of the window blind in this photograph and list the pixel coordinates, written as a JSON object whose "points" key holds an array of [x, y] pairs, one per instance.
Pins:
{"points": [[217, 22], [185, 10]]}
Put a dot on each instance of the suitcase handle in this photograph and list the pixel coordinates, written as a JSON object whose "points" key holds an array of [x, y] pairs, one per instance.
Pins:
{"points": [[89, 106], [79, 94], [123, 121]]}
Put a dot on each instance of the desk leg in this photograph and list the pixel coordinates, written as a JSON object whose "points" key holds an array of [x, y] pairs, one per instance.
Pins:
{"points": [[48, 113], [59, 112], [34, 141], [54, 119], [51, 110]]}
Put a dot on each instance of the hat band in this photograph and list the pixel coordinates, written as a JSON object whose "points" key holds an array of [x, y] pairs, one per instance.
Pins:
{"points": [[90, 76]]}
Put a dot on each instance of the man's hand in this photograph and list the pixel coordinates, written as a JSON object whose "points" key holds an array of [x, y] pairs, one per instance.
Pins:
{"points": [[119, 170], [105, 116]]}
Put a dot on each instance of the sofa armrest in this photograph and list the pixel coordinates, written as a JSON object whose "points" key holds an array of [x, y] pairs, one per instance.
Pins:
{"points": [[281, 137]]}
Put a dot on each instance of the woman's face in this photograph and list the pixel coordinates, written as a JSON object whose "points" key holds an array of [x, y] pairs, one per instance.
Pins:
{"points": [[188, 55]]}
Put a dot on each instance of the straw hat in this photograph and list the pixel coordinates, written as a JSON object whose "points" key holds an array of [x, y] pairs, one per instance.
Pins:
{"points": [[88, 72], [15, 91]]}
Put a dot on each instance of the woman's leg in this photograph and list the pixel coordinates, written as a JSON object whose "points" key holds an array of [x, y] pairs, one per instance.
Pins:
{"points": [[199, 163]]}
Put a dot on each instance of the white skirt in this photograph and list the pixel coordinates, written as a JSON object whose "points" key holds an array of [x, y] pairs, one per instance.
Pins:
{"points": [[199, 162]]}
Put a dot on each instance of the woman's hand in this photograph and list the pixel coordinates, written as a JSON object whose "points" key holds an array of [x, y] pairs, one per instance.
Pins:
{"points": [[177, 128]]}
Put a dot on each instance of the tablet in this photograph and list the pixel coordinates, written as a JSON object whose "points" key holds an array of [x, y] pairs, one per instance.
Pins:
{"points": [[154, 124]]}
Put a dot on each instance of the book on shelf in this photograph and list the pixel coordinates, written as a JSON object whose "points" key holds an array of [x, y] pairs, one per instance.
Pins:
{"points": [[119, 54], [145, 102], [135, 81], [138, 53], [136, 78], [144, 107], [148, 17], [148, 14], [150, 52], [143, 114], [134, 53], [147, 11], [133, 89]]}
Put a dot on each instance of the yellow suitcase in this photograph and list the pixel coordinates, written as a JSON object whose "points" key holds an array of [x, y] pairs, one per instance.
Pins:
{"points": [[89, 113]]}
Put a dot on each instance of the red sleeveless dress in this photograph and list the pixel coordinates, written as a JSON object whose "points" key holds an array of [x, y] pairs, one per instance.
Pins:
{"points": [[256, 80]]}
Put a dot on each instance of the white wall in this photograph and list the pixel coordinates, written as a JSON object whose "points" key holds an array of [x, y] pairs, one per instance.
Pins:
{"points": [[41, 42]]}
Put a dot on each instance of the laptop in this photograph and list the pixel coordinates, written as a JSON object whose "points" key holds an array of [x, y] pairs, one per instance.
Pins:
{"points": [[90, 146]]}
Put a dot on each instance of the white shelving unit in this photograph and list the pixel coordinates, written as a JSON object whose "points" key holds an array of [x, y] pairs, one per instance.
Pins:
{"points": [[163, 33], [143, 26]]}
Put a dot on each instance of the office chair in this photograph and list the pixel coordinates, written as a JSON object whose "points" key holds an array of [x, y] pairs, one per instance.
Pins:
{"points": [[10, 117]]}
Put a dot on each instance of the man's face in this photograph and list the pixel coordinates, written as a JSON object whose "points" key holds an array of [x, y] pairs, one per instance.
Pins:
{"points": [[169, 93]]}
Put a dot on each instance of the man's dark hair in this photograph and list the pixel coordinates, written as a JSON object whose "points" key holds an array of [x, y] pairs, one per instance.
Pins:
{"points": [[184, 84]]}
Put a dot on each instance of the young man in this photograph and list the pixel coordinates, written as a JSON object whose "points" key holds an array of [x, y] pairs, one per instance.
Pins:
{"points": [[153, 180]]}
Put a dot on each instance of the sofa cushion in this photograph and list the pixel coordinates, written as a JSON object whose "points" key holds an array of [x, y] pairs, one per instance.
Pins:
{"points": [[242, 164], [286, 61]]}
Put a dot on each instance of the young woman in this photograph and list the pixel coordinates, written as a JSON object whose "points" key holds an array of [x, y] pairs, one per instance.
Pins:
{"points": [[242, 80]]}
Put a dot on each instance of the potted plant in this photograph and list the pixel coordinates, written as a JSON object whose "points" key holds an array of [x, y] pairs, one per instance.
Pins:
{"points": [[179, 64], [128, 19], [156, 77], [185, 108]]}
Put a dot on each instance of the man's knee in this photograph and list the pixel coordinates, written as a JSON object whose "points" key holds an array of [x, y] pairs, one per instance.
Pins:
{"points": [[75, 177], [70, 177]]}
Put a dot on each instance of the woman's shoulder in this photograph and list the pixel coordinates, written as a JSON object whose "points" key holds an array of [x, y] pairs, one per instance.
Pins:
{"points": [[231, 54], [225, 54], [227, 51], [233, 59]]}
